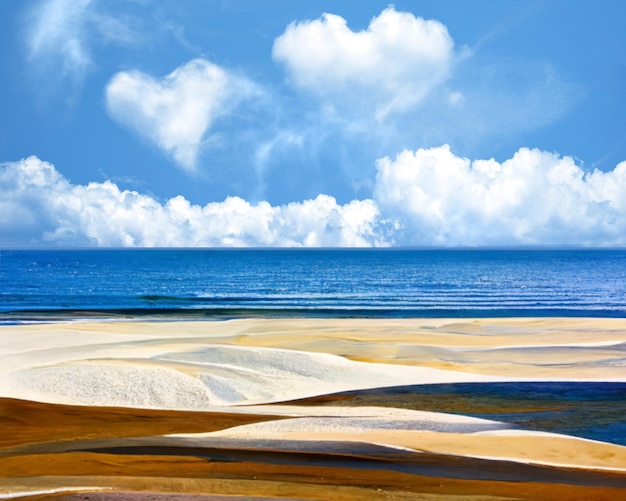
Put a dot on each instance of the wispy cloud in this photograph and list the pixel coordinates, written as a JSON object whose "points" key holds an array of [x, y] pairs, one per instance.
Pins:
{"points": [[59, 35], [501, 98]]}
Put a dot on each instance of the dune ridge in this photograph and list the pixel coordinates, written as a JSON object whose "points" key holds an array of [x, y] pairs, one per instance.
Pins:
{"points": [[224, 400], [199, 365], [214, 377]]}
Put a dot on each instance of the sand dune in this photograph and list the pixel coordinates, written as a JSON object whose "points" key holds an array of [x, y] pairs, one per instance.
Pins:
{"points": [[215, 376], [222, 400], [198, 365]]}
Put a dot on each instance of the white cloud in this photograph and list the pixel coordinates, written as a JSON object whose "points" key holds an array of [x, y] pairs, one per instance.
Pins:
{"points": [[59, 34], [175, 112], [401, 81], [57, 31], [391, 66], [425, 197], [39, 207], [437, 198]]}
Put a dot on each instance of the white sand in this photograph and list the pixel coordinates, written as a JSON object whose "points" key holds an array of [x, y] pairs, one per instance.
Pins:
{"points": [[203, 365], [320, 419], [242, 364], [214, 376]]}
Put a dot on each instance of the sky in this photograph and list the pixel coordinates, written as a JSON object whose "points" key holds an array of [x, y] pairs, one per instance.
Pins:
{"points": [[208, 123]]}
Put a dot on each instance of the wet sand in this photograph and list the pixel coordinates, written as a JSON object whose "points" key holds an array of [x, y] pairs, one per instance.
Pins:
{"points": [[310, 409]]}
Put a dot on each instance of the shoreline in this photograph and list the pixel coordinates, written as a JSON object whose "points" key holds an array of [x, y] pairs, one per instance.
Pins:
{"points": [[294, 407], [153, 311]]}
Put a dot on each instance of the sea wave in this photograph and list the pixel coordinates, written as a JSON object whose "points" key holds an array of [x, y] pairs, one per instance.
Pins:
{"points": [[45, 315], [46, 285]]}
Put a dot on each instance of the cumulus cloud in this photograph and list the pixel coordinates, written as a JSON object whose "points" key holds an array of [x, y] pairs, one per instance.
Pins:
{"points": [[536, 197], [391, 66], [176, 111], [401, 81], [425, 197], [39, 207]]}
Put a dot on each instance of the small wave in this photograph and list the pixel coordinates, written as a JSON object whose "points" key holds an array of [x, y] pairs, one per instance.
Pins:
{"points": [[347, 283], [222, 312], [205, 299], [158, 297]]}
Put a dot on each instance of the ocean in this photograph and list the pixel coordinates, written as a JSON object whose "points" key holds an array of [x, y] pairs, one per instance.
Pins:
{"points": [[44, 285]]}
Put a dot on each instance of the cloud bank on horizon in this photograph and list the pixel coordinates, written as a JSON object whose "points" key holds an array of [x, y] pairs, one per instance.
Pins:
{"points": [[423, 197], [355, 145]]}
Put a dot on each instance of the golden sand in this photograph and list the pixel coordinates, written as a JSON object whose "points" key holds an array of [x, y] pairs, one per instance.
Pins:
{"points": [[133, 407]]}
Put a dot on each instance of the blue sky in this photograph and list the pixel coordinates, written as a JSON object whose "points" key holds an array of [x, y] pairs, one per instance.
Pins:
{"points": [[318, 123]]}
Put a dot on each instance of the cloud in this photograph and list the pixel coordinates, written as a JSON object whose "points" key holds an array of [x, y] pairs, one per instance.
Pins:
{"points": [[176, 111], [428, 197], [402, 82], [59, 34], [437, 198], [391, 66], [39, 207], [497, 99]]}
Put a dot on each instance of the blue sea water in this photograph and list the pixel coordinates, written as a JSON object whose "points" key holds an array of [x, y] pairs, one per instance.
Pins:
{"points": [[219, 283]]}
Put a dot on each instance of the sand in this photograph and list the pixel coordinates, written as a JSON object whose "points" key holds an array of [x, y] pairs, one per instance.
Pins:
{"points": [[115, 409]]}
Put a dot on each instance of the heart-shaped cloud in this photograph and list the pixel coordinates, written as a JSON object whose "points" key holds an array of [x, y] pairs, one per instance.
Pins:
{"points": [[176, 111], [395, 62]]}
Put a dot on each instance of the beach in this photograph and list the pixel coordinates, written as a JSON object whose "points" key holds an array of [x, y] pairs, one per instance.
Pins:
{"points": [[314, 408]]}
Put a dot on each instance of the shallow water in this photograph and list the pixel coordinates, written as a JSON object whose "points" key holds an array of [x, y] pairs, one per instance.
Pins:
{"points": [[593, 410]]}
